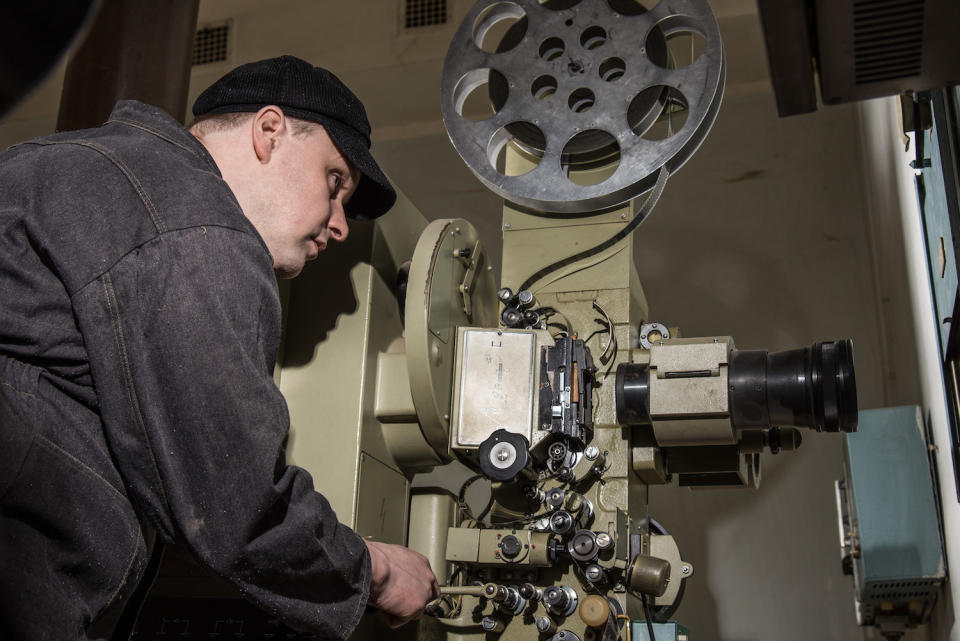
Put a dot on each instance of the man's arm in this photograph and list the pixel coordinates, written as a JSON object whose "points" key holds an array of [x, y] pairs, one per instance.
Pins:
{"points": [[182, 336]]}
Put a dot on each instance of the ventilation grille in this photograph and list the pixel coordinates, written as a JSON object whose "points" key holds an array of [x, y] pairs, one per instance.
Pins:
{"points": [[887, 39], [902, 590], [210, 44], [424, 13]]}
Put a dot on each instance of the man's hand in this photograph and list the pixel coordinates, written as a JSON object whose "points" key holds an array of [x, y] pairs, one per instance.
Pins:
{"points": [[402, 582]]}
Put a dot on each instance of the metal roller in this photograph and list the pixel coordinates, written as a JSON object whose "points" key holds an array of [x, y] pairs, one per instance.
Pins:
{"points": [[579, 84]]}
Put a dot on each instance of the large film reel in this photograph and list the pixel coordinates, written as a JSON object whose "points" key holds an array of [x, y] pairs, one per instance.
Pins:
{"points": [[578, 85]]}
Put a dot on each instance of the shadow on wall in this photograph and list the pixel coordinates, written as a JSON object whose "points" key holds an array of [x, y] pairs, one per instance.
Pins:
{"points": [[321, 294]]}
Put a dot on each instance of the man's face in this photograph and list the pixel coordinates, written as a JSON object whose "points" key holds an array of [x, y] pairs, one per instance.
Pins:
{"points": [[300, 198]]}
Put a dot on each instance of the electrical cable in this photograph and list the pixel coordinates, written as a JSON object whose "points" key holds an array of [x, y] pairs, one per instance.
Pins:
{"points": [[638, 218], [646, 616]]}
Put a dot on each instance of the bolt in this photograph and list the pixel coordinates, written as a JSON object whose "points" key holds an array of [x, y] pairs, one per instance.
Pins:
{"points": [[506, 225], [502, 455], [685, 569], [623, 216], [592, 452]]}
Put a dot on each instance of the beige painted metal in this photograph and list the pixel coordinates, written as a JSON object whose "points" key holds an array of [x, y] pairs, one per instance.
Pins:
{"points": [[451, 284], [609, 280], [342, 324], [383, 493], [693, 407], [481, 547], [433, 511], [665, 547], [495, 384]]}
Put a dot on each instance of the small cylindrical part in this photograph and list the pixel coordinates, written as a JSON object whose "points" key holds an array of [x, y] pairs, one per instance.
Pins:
{"points": [[546, 625], [490, 624], [557, 451], [574, 502], [565, 635], [591, 452], [531, 317], [783, 439], [466, 590], [534, 494], [504, 295], [632, 393], [494, 591], [594, 573], [604, 540], [513, 603], [561, 599], [583, 546], [440, 608], [648, 575], [555, 498], [561, 522], [511, 316], [530, 592], [594, 611], [525, 299]]}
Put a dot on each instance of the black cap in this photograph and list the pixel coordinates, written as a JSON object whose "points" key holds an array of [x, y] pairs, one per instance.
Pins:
{"points": [[309, 93]]}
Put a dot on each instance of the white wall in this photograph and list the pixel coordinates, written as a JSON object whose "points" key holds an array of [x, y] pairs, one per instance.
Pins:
{"points": [[896, 228]]}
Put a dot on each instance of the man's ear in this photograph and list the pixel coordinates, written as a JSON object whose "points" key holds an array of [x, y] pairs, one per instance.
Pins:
{"points": [[268, 126]]}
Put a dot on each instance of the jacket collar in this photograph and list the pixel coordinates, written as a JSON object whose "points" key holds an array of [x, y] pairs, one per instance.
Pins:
{"points": [[158, 122]]}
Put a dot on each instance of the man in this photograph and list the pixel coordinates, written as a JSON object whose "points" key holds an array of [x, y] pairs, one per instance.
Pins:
{"points": [[139, 321]]}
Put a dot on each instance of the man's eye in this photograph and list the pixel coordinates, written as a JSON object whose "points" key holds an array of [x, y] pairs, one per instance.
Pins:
{"points": [[337, 183]]}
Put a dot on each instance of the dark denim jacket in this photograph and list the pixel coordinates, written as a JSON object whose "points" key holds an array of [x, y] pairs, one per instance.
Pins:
{"points": [[139, 321]]}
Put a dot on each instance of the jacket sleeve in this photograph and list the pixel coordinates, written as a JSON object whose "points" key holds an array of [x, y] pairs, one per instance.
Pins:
{"points": [[182, 336]]}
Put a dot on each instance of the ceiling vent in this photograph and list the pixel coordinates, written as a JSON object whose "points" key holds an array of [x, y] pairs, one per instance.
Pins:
{"points": [[887, 39], [860, 49], [424, 13], [211, 44]]}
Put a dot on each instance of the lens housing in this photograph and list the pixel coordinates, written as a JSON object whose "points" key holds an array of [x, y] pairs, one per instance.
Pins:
{"points": [[811, 387]]}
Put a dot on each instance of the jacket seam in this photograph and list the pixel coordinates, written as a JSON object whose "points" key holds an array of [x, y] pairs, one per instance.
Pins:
{"points": [[167, 232], [131, 178], [18, 390], [50, 445], [114, 311], [43, 441], [150, 130]]}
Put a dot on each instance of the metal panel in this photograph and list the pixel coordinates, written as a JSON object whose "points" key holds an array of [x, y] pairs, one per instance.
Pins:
{"points": [[786, 30], [888, 475], [382, 496], [496, 384], [871, 48], [936, 211]]}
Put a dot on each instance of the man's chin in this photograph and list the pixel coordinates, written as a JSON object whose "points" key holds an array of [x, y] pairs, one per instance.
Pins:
{"points": [[286, 272]]}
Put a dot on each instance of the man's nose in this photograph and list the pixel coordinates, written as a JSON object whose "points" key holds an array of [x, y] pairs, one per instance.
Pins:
{"points": [[338, 223]]}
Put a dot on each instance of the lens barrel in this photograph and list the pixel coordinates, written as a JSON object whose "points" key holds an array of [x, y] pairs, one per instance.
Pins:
{"points": [[810, 387], [632, 391]]}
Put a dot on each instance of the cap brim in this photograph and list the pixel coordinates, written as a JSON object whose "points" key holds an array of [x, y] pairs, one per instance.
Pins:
{"points": [[374, 195]]}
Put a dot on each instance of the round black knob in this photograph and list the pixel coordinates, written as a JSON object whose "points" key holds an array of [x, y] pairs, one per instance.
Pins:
{"points": [[510, 546], [503, 455]]}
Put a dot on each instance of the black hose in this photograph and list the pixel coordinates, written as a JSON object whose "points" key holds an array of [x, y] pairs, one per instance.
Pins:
{"points": [[646, 616]]}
